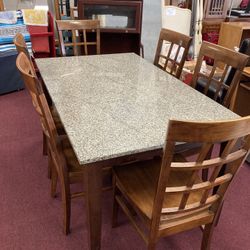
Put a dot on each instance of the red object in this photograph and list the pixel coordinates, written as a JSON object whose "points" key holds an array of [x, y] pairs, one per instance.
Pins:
{"points": [[188, 78], [212, 37], [39, 43], [43, 39], [244, 4]]}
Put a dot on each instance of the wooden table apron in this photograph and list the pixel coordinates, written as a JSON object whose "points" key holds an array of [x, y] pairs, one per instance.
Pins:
{"points": [[115, 109]]}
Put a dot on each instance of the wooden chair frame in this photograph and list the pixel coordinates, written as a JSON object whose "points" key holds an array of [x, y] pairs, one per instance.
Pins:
{"points": [[175, 39], [76, 27], [57, 151], [224, 56], [1, 5], [164, 221]]}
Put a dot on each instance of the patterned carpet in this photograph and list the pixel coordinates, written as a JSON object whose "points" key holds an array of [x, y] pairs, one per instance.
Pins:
{"points": [[31, 220]]}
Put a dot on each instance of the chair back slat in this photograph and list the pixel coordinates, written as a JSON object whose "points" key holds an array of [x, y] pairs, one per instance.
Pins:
{"points": [[221, 89], [79, 29], [171, 52], [32, 84], [20, 44], [209, 193]]}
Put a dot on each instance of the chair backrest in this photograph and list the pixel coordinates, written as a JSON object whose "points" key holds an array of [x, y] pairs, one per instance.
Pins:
{"points": [[208, 134], [1, 5], [31, 81], [39, 100], [171, 52], [230, 59], [54, 143], [77, 31], [20, 44], [244, 49]]}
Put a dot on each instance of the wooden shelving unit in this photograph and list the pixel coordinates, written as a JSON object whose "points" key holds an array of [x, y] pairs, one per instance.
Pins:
{"points": [[120, 23]]}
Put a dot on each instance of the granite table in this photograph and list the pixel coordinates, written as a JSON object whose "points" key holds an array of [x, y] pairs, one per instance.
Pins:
{"points": [[116, 108]]}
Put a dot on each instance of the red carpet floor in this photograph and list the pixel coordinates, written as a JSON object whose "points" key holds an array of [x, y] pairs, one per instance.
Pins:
{"points": [[31, 220]]}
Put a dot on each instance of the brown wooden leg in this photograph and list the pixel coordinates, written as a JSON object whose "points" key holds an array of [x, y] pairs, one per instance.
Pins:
{"points": [[93, 190], [115, 206], [45, 148], [66, 200], [207, 236], [54, 178], [151, 246]]}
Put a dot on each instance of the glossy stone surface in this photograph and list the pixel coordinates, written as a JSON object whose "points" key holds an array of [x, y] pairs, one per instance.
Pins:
{"points": [[120, 104]]}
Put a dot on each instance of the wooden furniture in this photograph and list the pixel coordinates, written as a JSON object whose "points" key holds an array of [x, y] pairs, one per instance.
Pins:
{"points": [[62, 160], [22, 48], [62, 8], [121, 23], [21, 45], [240, 31], [216, 8], [172, 51], [242, 106], [216, 88], [118, 112], [75, 27], [168, 195], [1, 5]]}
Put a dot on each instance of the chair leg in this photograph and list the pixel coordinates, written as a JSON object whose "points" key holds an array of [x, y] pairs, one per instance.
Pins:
{"points": [[115, 207], [218, 215], [45, 148], [50, 166], [151, 246], [53, 183], [66, 200], [207, 236]]}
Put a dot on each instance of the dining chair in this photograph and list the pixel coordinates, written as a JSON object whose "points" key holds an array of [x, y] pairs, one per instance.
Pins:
{"points": [[168, 195], [62, 159], [172, 51], [20, 44], [22, 47], [219, 88], [74, 33]]}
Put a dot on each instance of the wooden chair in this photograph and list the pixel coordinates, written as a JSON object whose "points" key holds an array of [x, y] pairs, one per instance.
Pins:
{"points": [[20, 44], [208, 83], [1, 5], [22, 48], [169, 195], [62, 159], [78, 32], [172, 51]]}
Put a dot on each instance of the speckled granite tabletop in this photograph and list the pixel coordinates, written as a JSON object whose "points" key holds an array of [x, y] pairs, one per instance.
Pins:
{"points": [[120, 104]]}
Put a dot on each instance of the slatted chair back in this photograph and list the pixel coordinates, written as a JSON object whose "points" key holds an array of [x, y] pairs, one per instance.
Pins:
{"points": [[31, 81], [209, 134], [52, 135], [20, 44], [78, 29], [172, 51], [33, 85], [223, 91], [39, 101]]}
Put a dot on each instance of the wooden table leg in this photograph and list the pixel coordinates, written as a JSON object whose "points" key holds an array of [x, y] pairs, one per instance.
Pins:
{"points": [[93, 188]]}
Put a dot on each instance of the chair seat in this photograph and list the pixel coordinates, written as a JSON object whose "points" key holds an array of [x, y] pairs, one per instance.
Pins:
{"points": [[138, 182]]}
